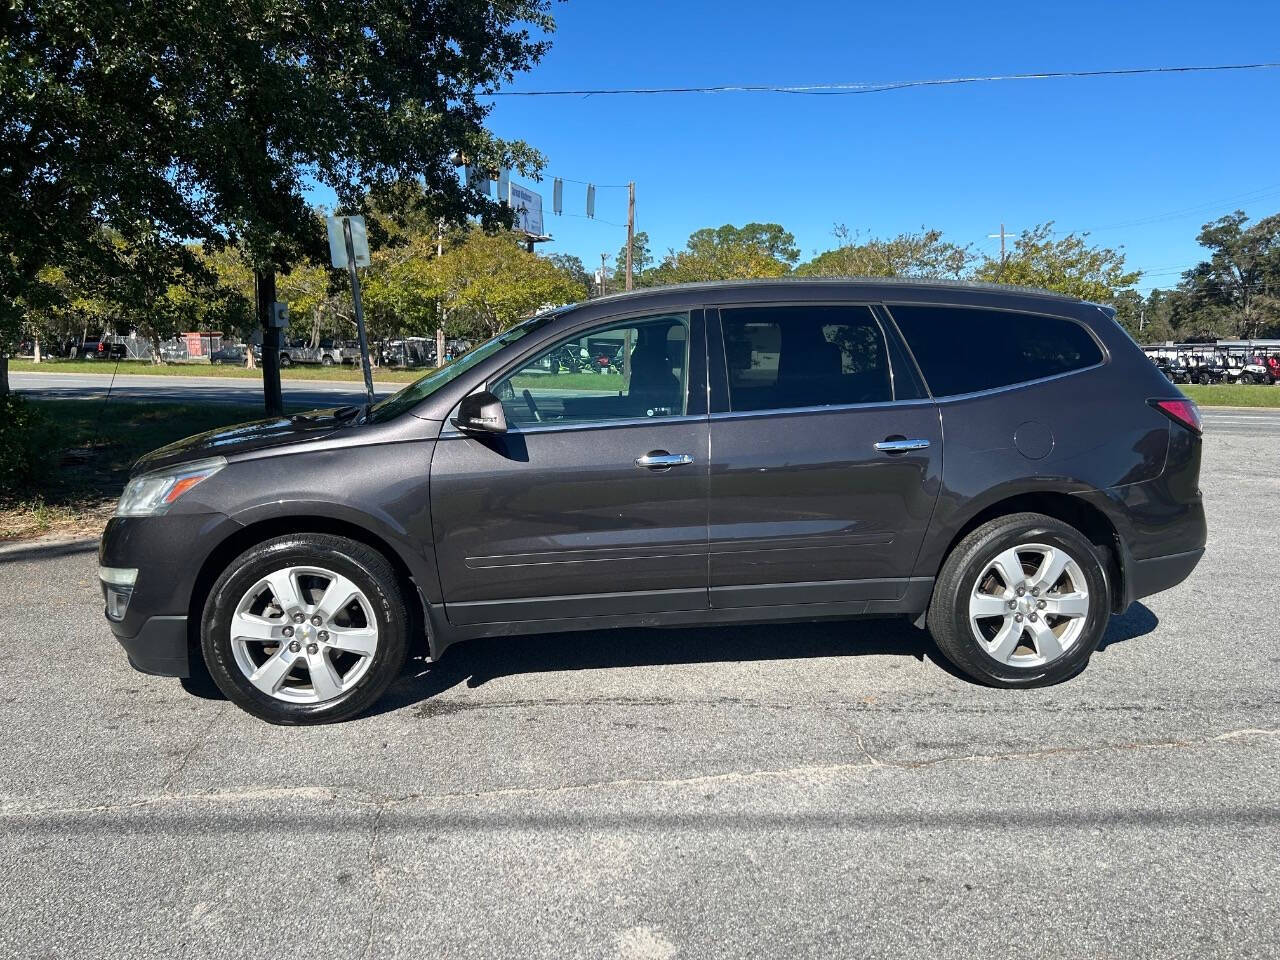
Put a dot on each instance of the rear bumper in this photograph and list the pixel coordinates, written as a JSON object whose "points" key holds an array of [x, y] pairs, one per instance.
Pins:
{"points": [[1145, 577], [159, 648]]}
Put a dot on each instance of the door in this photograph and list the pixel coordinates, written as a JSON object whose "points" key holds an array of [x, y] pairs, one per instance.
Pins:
{"points": [[826, 457], [594, 501]]}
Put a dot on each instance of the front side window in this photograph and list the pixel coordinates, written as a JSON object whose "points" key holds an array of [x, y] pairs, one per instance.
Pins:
{"points": [[637, 369], [965, 350], [804, 356], [425, 386]]}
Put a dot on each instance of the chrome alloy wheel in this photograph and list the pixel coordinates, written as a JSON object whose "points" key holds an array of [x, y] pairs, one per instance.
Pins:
{"points": [[304, 634], [1029, 605]]}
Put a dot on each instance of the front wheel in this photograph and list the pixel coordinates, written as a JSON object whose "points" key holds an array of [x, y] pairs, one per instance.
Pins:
{"points": [[1022, 601], [305, 628]]}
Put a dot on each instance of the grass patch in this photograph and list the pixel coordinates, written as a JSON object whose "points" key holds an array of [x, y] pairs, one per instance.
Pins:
{"points": [[352, 374], [1232, 395], [94, 448], [586, 382]]}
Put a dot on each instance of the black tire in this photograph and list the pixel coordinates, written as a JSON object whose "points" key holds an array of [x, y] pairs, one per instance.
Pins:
{"points": [[1203, 379], [1246, 378], [285, 360], [948, 617], [326, 361], [371, 573]]}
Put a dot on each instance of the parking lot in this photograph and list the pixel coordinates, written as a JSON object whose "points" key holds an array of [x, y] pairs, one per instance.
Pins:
{"points": [[800, 790]]}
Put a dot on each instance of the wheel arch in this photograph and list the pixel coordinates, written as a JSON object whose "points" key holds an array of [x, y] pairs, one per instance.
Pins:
{"points": [[267, 528], [1073, 510]]}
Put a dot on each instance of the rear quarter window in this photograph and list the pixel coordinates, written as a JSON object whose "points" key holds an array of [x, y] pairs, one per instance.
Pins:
{"points": [[966, 350]]}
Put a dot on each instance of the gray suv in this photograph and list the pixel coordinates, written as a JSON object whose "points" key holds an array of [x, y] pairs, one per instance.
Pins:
{"points": [[1003, 466]]}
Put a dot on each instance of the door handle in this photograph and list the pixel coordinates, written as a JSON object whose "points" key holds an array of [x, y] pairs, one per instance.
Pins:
{"points": [[661, 460], [900, 445]]}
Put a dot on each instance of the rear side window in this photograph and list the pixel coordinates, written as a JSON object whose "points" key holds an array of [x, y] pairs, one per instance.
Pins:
{"points": [[964, 350], [804, 356]]}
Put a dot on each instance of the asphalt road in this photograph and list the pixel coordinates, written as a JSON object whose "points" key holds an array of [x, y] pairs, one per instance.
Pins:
{"points": [[174, 389], [797, 791]]}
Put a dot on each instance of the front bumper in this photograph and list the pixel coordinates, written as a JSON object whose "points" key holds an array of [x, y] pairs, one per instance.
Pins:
{"points": [[168, 552], [159, 648]]}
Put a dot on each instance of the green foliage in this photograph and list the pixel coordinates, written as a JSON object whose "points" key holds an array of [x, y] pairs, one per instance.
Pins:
{"points": [[27, 440], [1067, 265], [1237, 290], [206, 122], [757, 250], [486, 282], [923, 254], [641, 260]]}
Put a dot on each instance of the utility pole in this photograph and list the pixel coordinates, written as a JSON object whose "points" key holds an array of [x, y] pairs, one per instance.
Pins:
{"points": [[631, 225], [266, 284], [602, 274], [1001, 235]]}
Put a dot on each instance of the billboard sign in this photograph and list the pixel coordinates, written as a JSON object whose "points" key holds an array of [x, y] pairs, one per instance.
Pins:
{"points": [[528, 208]]}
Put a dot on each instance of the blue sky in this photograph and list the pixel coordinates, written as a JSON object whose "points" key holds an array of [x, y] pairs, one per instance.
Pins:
{"points": [[1095, 154]]}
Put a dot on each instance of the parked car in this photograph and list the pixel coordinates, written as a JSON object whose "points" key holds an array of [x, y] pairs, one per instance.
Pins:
{"points": [[1000, 465], [327, 353], [231, 354], [100, 350]]}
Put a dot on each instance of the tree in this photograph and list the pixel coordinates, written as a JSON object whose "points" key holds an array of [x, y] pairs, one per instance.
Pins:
{"points": [[573, 267], [486, 282], [922, 254], [728, 253], [206, 121], [641, 258], [1067, 265], [1239, 285]]}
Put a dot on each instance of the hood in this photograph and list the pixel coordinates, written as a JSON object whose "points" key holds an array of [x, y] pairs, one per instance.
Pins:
{"points": [[247, 437]]}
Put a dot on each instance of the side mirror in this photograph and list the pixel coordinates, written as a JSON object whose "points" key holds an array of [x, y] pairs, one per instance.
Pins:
{"points": [[480, 413]]}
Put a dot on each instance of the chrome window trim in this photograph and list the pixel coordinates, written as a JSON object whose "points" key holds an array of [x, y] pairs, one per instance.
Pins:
{"points": [[1019, 385], [829, 408], [451, 432]]}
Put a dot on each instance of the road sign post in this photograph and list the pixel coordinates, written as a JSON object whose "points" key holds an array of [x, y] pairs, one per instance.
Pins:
{"points": [[349, 246]]}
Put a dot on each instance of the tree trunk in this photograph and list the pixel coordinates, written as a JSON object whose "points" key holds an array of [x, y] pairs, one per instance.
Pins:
{"points": [[36, 353], [4, 374], [439, 346], [272, 398]]}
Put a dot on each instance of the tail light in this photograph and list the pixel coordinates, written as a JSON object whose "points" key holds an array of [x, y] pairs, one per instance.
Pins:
{"points": [[1181, 411]]}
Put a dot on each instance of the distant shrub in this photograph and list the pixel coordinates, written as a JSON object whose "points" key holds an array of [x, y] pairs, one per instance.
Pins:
{"points": [[28, 447]]}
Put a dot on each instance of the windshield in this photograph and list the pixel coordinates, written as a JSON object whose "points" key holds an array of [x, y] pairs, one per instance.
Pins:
{"points": [[424, 387]]}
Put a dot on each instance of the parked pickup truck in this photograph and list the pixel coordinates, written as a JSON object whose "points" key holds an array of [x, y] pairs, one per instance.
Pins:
{"points": [[329, 352]]}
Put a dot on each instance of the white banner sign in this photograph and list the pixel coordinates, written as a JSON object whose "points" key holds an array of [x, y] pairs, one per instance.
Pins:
{"points": [[528, 208]]}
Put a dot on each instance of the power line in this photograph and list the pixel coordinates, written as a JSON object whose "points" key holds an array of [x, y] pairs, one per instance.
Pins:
{"points": [[850, 89]]}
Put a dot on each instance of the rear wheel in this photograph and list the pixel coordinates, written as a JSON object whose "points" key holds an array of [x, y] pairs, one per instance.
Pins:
{"points": [[326, 360], [285, 360], [307, 628], [1022, 601]]}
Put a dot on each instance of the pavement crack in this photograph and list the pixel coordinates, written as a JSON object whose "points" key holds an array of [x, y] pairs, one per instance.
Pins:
{"points": [[16, 808], [375, 875], [199, 741]]}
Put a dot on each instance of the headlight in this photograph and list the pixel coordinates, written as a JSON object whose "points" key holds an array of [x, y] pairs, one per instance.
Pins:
{"points": [[152, 493]]}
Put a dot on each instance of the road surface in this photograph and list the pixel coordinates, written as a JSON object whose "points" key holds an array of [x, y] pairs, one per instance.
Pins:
{"points": [[174, 389], [797, 791]]}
